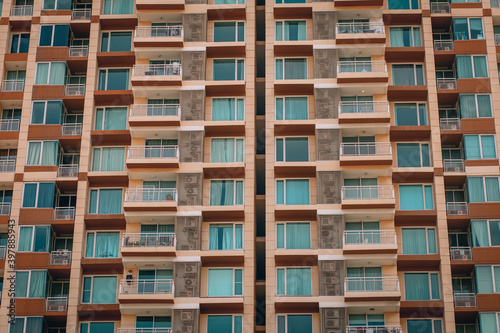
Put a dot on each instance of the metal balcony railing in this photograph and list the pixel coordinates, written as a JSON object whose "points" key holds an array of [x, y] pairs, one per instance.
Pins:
{"points": [[67, 170], [363, 107], [460, 253], [157, 70], [443, 45], [368, 192], [141, 194], [171, 151], [56, 304], [464, 300], [9, 125], [446, 84], [7, 165], [374, 329], [360, 28], [21, 10], [5, 208], [457, 208], [64, 213], [440, 8], [366, 149], [60, 257], [453, 165], [449, 124], [163, 286], [13, 85], [372, 284], [3, 251], [144, 330], [148, 239], [358, 237], [78, 51], [170, 31], [72, 129], [75, 89], [81, 14], [139, 110], [361, 67]]}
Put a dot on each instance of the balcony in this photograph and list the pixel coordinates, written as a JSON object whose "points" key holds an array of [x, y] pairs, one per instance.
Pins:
{"points": [[7, 165], [460, 253], [79, 14], [75, 90], [367, 192], [453, 165], [457, 208], [362, 72], [373, 287], [144, 330], [153, 156], [21, 10], [365, 238], [146, 199], [464, 300], [5, 208], [155, 110], [443, 45], [3, 252], [148, 239], [64, 213], [60, 258], [153, 73], [67, 170], [56, 304], [78, 51], [354, 112], [360, 28], [159, 32], [164, 286], [449, 124], [497, 39], [446, 84], [440, 8], [71, 129], [12, 85], [9, 125], [374, 329]]}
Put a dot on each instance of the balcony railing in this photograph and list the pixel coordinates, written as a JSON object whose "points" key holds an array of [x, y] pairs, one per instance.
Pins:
{"points": [[367, 192], [457, 208], [361, 28], [72, 129], [355, 237], [171, 151], [67, 170], [366, 149], [3, 251], [140, 110], [371, 284], [170, 31], [495, 3], [81, 14], [361, 67], [9, 125], [464, 300], [78, 51], [443, 45], [58, 304], [157, 70], [144, 330], [60, 257], [75, 89], [21, 10], [64, 213], [449, 124], [13, 85], [164, 286], [149, 239], [447, 84], [440, 8], [374, 329], [363, 107], [453, 165], [4, 208], [141, 194], [7, 165], [460, 253]]}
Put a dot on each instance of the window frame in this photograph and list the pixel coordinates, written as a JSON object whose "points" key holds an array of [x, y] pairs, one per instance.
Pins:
{"points": [[70, 34], [19, 42], [95, 240], [284, 180], [49, 73], [111, 2], [429, 274], [285, 268], [39, 163], [283, 62], [37, 193], [420, 150], [233, 224], [476, 108], [235, 180], [473, 68], [110, 32], [433, 320], [232, 320], [285, 316], [235, 148], [107, 77], [29, 283], [481, 146], [284, 98], [423, 185], [412, 27], [63, 111], [415, 76], [32, 242], [233, 280], [104, 110], [101, 160], [471, 242], [285, 247], [483, 178], [235, 99], [236, 62], [92, 288], [236, 23], [98, 189], [427, 244], [418, 106], [284, 138], [282, 21], [468, 28]]}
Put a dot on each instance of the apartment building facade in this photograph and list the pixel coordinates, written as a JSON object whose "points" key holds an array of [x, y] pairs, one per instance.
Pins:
{"points": [[231, 166]]}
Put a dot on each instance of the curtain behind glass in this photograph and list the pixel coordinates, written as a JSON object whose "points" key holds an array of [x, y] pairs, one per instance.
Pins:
{"points": [[487, 322], [464, 67], [223, 109], [411, 197], [110, 201], [123, 7], [29, 195], [480, 69], [471, 147], [297, 192], [479, 230], [492, 189], [25, 237], [34, 153], [220, 323], [57, 73], [484, 105], [113, 158], [468, 106], [222, 150], [106, 245], [417, 286], [298, 281], [38, 283], [403, 75], [42, 73], [298, 236], [46, 194], [475, 189], [295, 108], [220, 282], [295, 69], [50, 150], [104, 290], [414, 241], [115, 118], [33, 325]]}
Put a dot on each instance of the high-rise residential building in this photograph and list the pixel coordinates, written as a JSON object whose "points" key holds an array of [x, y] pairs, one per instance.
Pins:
{"points": [[240, 166]]}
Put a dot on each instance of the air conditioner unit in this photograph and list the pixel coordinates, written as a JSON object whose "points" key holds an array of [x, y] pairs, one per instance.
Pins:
{"points": [[444, 11], [186, 315], [457, 169], [65, 262], [78, 93], [61, 308]]}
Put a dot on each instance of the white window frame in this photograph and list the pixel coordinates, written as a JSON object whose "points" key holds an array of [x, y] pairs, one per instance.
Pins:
{"points": [[232, 280], [234, 148], [29, 282], [235, 99], [109, 32], [284, 233], [426, 237], [284, 106], [284, 138], [104, 108], [233, 224], [107, 77], [41, 150], [283, 68], [412, 27], [414, 72], [236, 60], [63, 111], [484, 186], [98, 189], [283, 29], [95, 239], [49, 71], [488, 229], [18, 44], [481, 143], [92, 287], [418, 105], [24, 322], [291, 314], [234, 196], [284, 189], [432, 320], [235, 31], [468, 27], [420, 151], [477, 105], [472, 56], [100, 157], [32, 242], [285, 268], [91, 322], [37, 193], [423, 185], [53, 29], [430, 284], [232, 315]]}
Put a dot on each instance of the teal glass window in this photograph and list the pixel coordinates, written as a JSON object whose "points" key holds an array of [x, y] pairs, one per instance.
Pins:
{"points": [[485, 233], [413, 155], [31, 284], [292, 108], [487, 322], [291, 69], [118, 7], [403, 4], [294, 323], [47, 112], [468, 28], [26, 324], [57, 4], [291, 30], [229, 31], [405, 37], [364, 279], [225, 237], [419, 240], [471, 66], [114, 79], [108, 159], [99, 290], [407, 75], [39, 195], [483, 189], [225, 282], [415, 197], [116, 41], [228, 109], [293, 281], [226, 192], [293, 235], [477, 147], [228, 69], [475, 106], [421, 286], [292, 192], [99, 327], [102, 245], [424, 325], [292, 149], [158, 322], [34, 238], [227, 150], [226, 323], [410, 114], [105, 201], [54, 35], [366, 320], [20, 43], [51, 73], [43, 153], [111, 118], [362, 233]]}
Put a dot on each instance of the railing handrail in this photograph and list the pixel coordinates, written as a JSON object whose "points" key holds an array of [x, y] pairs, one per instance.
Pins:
{"points": [[131, 286], [365, 27], [24, 10], [448, 120], [141, 151], [78, 47], [446, 80], [363, 237], [440, 5], [455, 295], [456, 203], [458, 248], [364, 106], [143, 194], [376, 66], [388, 283], [8, 162], [72, 125], [54, 298], [362, 62], [165, 239], [149, 234], [3, 252], [365, 192], [144, 330], [166, 69], [13, 85], [142, 109], [143, 29], [75, 85], [375, 329], [364, 149]]}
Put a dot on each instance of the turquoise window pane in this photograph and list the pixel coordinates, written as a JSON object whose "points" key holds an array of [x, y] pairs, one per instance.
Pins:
{"points": [[25, 237], [38, 284], [279, 108], [42, 73], [110, 201], [464, 67], [89, 249], [240, 70], [238, 237], [434, 286], [54, 111], [117, 79], [495, 233], [107, 244], [120, 41], [104, 42], [238, 282], [417, 286], [280, 281], [87, 285], [93, 202], [296, 108], [280, 236], [295, 69], [102, 327], [223, 109], [221, 237], [298, 281], [115, 118], [279, 69], [429, 201], [419, 325], [238, 324], [492, 189], [22, 279], [279, 31], [479, 231], [46, 35], [279, 150], [98, 119], [84, 327], [299, 324], [220, 282], [431, 241], [408, 155], [46, 194], [406, 114], [484, 105], [240, 109], [298, 236], [297, 149], [461, 28], [487, 322], [241, 31], [280, 192], [414, 241], [224, 69], [471, 147], [484, 280], [297, 192], [38, 113], [61, 31], [42, 239], [496, 276], [29, 195], [104, 290], [475, 189], [480, 68], [238, 199], [410, 197], [425, 155], [476, 28], [488, 146], [399, 4], [224, 31], [219, 324]]}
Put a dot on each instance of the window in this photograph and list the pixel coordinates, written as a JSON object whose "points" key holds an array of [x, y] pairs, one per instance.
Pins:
{"points": [[102, 244], [487, 279], [477, 147], [413, 155], [31, 284], [228, 69], [467, 328], [421, 286], [405, 36], [293, 235], [225, 282], [291, 68], [290, 1], [403, 4], [468, 28], [42, 153], [160, 323], [34, 238], [108, 159], [113, 79], [227, 323], [27, 324], [360, 188], [293, 281], [99, 290], [362, 233], [415, 197], [292, 149], [54, 35], [52, 73], [366, 320], [118, 7], [488, 322], [419, 240], [116, 41], [47, 112], [57, 4], [357, 104], [410, 114], [227, 150], [226, 192], [483, 189], [475, 106], [471, 66], [294, 323], [229, 31], [20, 43], [111, 118], [226, 236], [97, 327], [291, 108], [226, 109], [424, 325], [485, 233], [355, 64], [292, 192], [39, 195], [364, 279], [105, 201], [407, 75], [291, 30]]}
